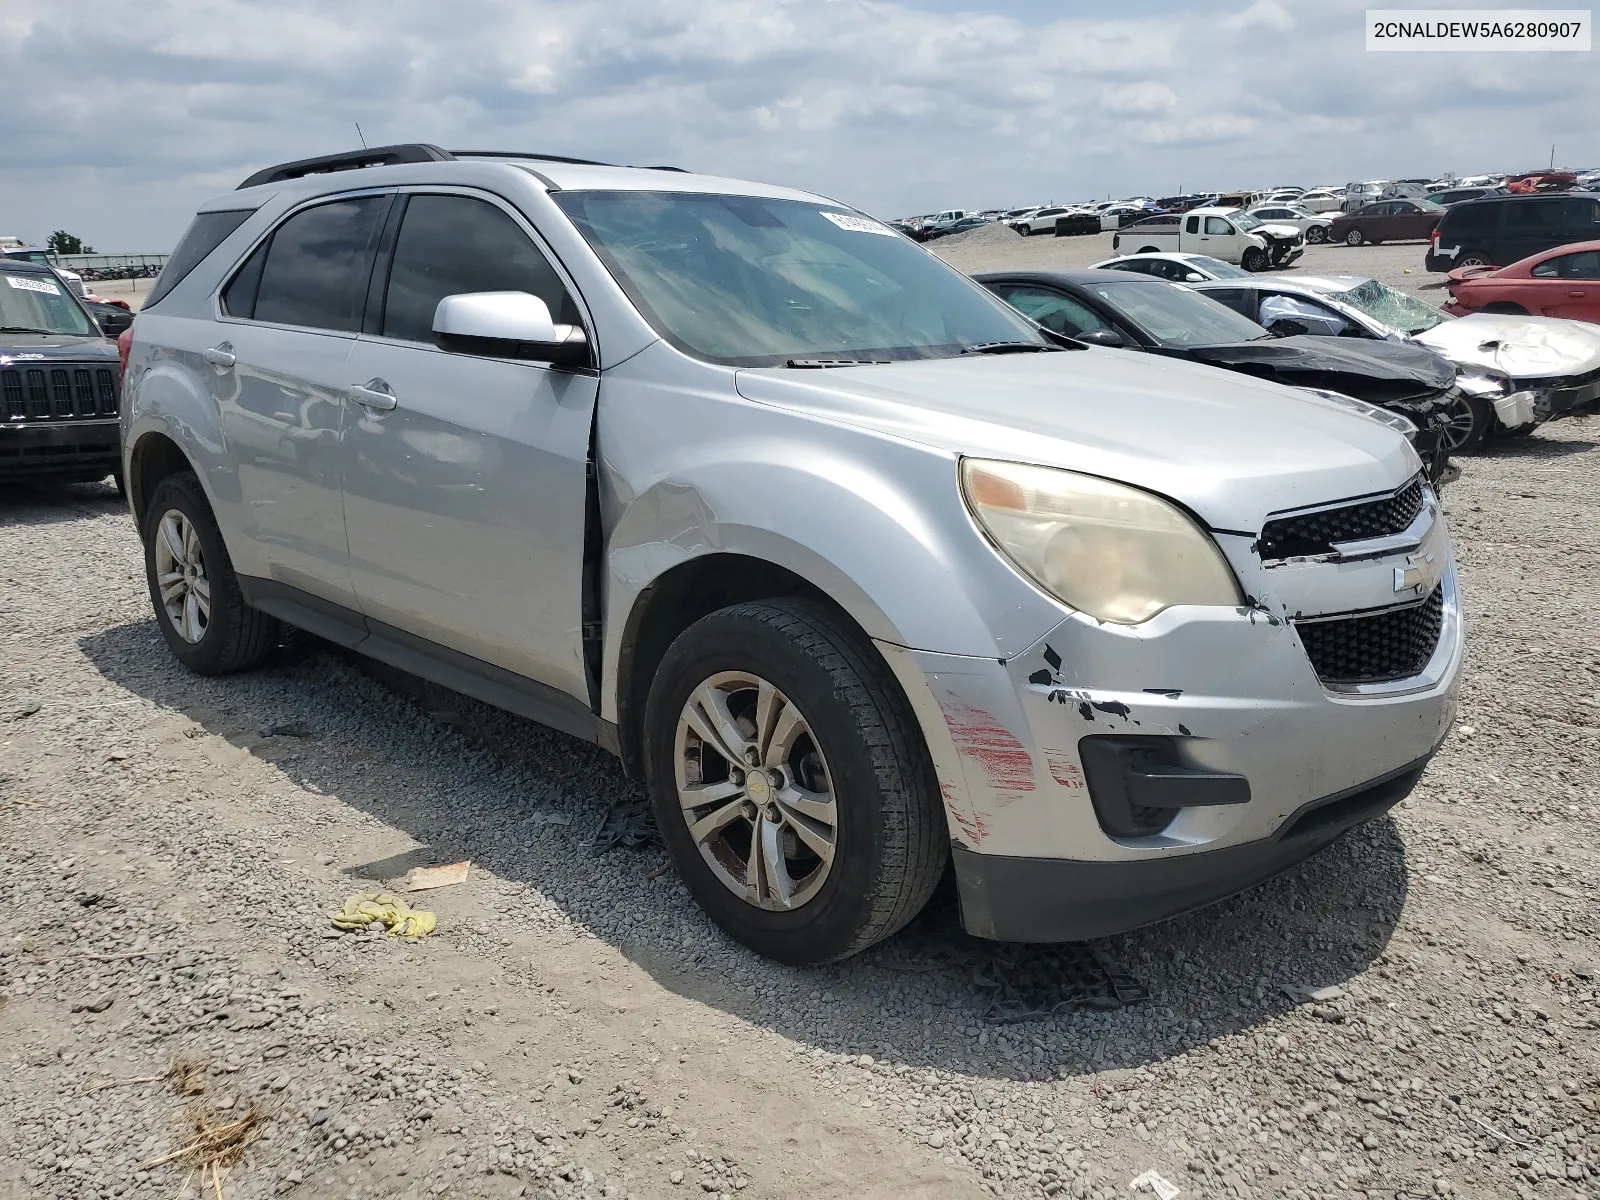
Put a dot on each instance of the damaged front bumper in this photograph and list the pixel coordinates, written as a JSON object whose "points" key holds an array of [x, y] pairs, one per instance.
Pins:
{"points": [[1112, 776]]}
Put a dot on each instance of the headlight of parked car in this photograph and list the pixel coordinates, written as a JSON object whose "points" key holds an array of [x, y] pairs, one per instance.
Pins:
{"points": [[1477, 381], [1398, 422], [1111, 551]]}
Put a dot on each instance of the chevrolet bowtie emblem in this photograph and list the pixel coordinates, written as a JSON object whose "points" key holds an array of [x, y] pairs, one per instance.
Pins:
{"points": [[1418, 575]]}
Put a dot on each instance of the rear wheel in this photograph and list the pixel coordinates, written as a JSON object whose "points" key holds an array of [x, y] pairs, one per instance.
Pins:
{"points": [[198, 603], [1149, 250], [1316, 235], [1254, 259], [1473, 258], [1468, 420], [791, 783], [1506, 308], [1354, 237]]}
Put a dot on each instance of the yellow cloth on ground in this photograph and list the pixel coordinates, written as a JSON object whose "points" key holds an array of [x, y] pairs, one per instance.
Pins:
{"points": [[399, 917]]}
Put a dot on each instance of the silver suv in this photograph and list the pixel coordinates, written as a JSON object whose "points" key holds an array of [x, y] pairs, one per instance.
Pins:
{"points": [[862, 572]]}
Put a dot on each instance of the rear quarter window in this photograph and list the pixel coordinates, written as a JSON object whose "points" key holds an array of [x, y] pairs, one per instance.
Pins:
{"points": [[205, 233]]}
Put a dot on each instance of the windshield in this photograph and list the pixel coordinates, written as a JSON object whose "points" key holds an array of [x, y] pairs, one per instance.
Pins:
{"points": [[1217, 267], [1394, 309], [40, 304], [756, 282], [1244, 221], [1175, 316]]}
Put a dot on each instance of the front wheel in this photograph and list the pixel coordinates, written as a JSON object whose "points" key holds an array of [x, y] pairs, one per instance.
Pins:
{"points": [[1254, 259], [1354, 238], [791, 782], [199, 606], [1316, 235], [1467, 421], [1025, 230]]}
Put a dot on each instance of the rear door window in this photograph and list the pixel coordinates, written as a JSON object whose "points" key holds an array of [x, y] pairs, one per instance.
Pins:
{"points": [[449, 245], [1535, 217], [315, 269], [1052, 309], [1582, 217], [1241, 300]]}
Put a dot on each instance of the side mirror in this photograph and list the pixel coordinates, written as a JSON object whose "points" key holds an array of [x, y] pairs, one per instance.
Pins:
{"points": [[1194, 277], [507, 325], [1101, 337]]}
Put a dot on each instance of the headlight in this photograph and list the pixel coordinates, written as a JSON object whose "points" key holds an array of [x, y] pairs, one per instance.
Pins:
{"points": [[1478, 381], [1396, 421], [1113, 552]]}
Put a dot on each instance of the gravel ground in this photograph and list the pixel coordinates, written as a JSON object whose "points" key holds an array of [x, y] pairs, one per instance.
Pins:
{"points": [[577, 1028], [997, 248]]}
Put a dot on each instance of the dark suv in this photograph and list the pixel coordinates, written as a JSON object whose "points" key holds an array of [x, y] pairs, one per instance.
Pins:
{"points": [[1500, 230], [58, 382]]}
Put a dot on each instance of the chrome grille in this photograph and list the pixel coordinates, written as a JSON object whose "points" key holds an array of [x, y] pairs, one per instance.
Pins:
{"points": [[1376, 648], [61, 392], [1316, 533]]}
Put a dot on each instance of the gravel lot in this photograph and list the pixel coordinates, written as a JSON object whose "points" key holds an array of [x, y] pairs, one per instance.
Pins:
{"points": [[576, 1028]]}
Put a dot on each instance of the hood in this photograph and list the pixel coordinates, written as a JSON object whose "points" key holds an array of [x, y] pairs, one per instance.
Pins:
{"points": [[1378, 372], [21, 348], [1525, 348], [1272, 229], [1231, 448]]}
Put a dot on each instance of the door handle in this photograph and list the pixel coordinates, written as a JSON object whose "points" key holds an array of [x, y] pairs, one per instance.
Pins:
{"points": [[374, 393], [1576, 295], [220, 356]]}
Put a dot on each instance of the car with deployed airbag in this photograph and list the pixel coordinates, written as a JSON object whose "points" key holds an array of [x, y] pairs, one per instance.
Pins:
{"points": [[862, 574]]}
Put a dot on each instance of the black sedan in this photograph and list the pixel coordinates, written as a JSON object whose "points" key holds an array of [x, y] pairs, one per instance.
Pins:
{"points": [[1113, 308]]}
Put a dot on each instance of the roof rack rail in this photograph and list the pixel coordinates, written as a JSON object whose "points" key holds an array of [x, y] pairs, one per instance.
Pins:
{"points": [[561, 158], [350, 160]]}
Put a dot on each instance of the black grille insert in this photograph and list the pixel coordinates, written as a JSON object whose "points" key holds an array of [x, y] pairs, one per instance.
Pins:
{"points": [[1377, 648], [1315, 533], [58, 393]]}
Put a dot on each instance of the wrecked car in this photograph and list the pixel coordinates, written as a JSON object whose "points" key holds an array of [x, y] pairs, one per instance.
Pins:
{"points": [[1410, 388], [1230, 234], [1489, 400], [858, 570]]}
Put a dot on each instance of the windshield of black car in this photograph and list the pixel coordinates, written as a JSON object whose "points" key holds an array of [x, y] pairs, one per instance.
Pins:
{"points": [[35, 301], [1392, 308], [751, 281], [1175, 316]]}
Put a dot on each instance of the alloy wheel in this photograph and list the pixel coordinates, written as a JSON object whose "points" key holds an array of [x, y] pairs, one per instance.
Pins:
{"points": [[755, 791], [1459, 420], [181, 576], [1354, 238]]}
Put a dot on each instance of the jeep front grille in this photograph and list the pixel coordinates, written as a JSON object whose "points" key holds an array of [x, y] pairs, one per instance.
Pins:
{"points": [[1316, 533], [1375, 648], [58, 392]]}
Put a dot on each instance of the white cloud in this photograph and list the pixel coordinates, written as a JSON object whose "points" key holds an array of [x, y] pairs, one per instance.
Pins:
{"points": [[116, 129]]}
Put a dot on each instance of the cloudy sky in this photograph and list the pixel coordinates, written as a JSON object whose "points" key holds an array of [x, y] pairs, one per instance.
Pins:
{"points": [[118, 118]]}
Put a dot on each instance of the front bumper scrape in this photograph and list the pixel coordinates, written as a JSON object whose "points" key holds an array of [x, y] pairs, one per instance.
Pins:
{"points": [[1017, 899]]}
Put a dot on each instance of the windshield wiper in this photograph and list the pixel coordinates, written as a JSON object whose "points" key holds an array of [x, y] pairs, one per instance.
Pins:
{"points": [[816, 364], [23, 329], [1007, 348]]}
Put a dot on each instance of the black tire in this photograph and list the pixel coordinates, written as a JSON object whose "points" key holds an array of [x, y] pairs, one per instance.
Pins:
{"points": [[1254, 259], [236, 636], [1473, 258], [1316, 235], [1150, 250], [121, 484], [1025, 230], [1470, 418], [1354, 237], [890, 836], [1506, 308]]}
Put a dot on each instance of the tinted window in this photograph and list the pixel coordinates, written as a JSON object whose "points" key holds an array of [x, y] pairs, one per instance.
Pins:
{"points": [[1192, 225], [1241, 300], [1535, 217], [1583, 215], [1583, 265], [1472, 218], [1052, 309], [318, 265], [449, 245], [1550, 268], [239, 297], [205, 233]]}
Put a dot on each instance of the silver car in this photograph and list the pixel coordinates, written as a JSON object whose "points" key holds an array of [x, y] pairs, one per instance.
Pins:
{"points": [[863, 573]]}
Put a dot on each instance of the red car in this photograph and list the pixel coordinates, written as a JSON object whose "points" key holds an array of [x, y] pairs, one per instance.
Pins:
{"points": [[1563, 282]]}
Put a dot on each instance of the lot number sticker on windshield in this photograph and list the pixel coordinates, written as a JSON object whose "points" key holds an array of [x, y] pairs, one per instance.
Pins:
{"points": [[858, 224], [23, 284]]}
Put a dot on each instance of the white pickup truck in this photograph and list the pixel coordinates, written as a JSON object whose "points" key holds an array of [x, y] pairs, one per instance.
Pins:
{"points": [[1227, 233]]}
